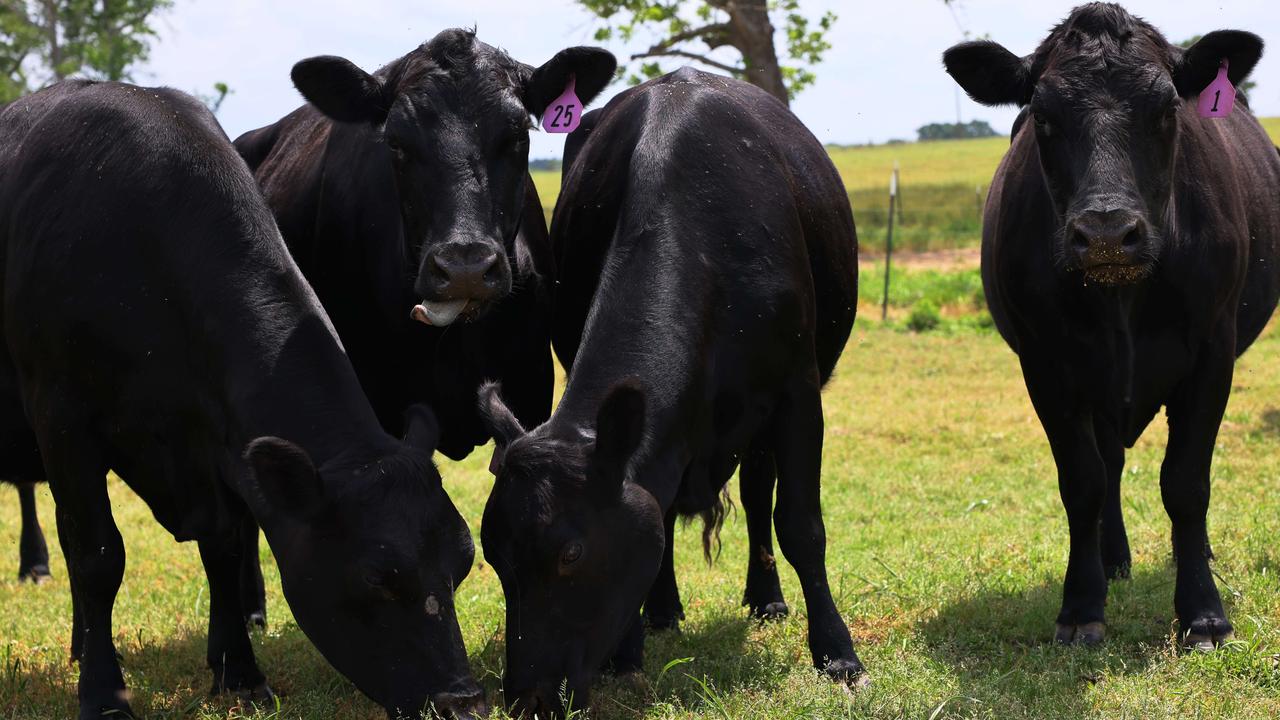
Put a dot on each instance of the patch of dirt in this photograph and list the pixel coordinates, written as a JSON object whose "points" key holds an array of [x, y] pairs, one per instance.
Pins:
{"points": [[958, 259]]}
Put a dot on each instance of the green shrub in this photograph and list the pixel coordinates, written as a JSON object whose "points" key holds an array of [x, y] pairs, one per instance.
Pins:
{"points": [[924, 316]]}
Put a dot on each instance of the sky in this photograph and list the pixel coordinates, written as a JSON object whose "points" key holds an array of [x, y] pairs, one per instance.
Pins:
{"points": [[881, 79]]}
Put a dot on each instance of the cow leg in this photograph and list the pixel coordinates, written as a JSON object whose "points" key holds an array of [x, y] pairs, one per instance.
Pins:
{"points": [[1116, 559], [95, 561], [1195, 413], [662, 608], [230, 654], [253, 592], [756, 479], [629, 657], [1082, 480], [33, 553], [798, 428]]}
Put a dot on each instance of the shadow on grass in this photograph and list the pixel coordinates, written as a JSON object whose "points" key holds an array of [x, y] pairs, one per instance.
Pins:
{"points": [[1270, 422], [999, 643]]}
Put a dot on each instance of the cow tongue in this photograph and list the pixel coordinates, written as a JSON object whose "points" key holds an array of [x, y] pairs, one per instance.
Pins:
{"points": [[439, 313]]}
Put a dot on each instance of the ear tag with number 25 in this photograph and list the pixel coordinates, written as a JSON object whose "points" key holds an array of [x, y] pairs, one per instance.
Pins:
{"points": [[1219, 97], [564, 113]]}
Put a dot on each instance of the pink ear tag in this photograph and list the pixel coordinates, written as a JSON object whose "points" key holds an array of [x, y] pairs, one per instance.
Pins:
{"points": [[564, 113], [1219, 97]]}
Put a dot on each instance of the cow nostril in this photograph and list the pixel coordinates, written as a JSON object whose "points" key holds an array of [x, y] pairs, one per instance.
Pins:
{"points": [[1079, 240], [439, 267], [1132, 238]]}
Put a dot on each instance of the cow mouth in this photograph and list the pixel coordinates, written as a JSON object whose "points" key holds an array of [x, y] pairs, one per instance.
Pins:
{"points": [[442, 313], [1113, 274]]}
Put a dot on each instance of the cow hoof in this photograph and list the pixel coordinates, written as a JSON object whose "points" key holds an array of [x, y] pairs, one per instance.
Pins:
{"points": [[849, 673], [1208, 633], [1120, 571], [256, 620], [115, 708], [770, 612], [36, 575], [1092, 633], [663, 622], [260, 695]]}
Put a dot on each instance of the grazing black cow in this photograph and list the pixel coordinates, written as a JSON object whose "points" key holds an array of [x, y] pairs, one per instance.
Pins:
{"points": [[1129, 256], [406, 192], [156, 326], [707, 284]]}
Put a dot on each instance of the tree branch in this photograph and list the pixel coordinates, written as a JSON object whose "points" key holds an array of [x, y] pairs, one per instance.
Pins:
{"points": [[721, 29], [692, 56]]}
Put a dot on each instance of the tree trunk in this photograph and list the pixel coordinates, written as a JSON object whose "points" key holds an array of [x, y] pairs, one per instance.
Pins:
{"points": [[50, 13], [752, 33]]}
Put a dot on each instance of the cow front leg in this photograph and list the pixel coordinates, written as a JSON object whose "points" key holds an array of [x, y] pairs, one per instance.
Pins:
{"points": [[797, 444], [1195, 413], [253, 592], [662, 608], [756, 480], [1082, 479], [230, 653], [33, 552]]}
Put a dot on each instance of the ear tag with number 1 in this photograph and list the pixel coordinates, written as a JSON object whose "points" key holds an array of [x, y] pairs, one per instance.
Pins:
{"points": [[1219, 97], [564, 113]]}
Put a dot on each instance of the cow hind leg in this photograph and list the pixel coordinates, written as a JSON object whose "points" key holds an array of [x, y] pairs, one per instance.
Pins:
{"points": [[33, 552], [230, 654], [798, 428], [95, 560], [1117, 562], [662, 608], [756, 479], [253, 591]]}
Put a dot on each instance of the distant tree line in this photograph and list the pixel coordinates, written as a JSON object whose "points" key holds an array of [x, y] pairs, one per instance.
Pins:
{"points": [[956, 131]]}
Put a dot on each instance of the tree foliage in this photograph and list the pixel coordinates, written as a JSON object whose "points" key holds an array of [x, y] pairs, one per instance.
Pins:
{"points": [[956, 131], [42, 41], [693, 29]]}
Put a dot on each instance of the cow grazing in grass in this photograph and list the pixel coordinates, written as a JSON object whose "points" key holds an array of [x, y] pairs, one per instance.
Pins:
{"points": [[1129, 256], [156, 326], [707, 284], [406, 200]]}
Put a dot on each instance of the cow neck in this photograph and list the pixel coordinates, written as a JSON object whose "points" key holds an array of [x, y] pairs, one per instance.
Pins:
{"points": [[654, 337], [291, 377]]}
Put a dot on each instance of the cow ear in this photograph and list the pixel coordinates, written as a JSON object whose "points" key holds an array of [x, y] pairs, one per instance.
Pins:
{"points": [[282, 483], [499, 421], [591, 69], [340, 90], [421, 429], [619, 432], [1195, 67], [989, 73]]}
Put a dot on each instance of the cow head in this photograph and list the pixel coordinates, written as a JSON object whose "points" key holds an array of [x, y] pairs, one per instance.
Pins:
{"points": [[574, 542], [454, 116], [1106, 95], [370, 553]]}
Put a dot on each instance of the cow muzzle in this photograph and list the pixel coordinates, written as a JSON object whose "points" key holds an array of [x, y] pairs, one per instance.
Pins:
{"points": [[460, 279], [1111, 247], [461, 706]]}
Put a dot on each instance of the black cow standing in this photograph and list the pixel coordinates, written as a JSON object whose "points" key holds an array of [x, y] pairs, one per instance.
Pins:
{"points": [[1129, 256], [406, 200], [707, 284], [156, 326]]}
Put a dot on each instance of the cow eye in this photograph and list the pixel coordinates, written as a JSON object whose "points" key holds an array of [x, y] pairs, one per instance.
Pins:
{"points": [[396, 148], [571, 553], [379, 586], [1043, 125]]}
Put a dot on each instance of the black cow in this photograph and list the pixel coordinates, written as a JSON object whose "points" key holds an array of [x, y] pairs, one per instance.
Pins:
{"points": [[1129, 256], [707, 284], [156, 326], [406, 192]]}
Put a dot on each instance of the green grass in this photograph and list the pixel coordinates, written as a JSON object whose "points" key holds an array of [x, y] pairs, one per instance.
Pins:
{"points": [[946, 548], [942, 187]]}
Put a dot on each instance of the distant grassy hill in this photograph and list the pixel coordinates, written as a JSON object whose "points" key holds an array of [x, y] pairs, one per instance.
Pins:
{"points": [[943, 186]]}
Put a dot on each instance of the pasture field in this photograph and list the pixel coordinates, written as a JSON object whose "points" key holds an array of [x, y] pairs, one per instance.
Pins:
{"points": [[946, 549], [943, 186]]}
